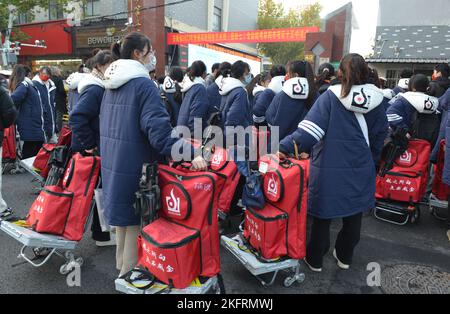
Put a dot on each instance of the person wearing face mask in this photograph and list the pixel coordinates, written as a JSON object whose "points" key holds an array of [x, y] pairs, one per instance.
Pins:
{"points": [[172, 93], [47, 92], [134, 129], [291, 105], [30, 122], [84, 121], [440, 82], [195, 103], [277, 73]]}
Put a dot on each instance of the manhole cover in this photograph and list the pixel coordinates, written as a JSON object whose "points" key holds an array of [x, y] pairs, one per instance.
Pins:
{"points": [[414, 279]]}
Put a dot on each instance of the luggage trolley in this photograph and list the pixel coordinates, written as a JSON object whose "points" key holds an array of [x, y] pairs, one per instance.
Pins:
{"points": [[212, 285], [27, 164], [436, 205], [258, 268], [44, 246]]}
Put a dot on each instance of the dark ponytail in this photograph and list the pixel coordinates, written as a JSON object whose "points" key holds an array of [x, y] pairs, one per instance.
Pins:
{"points": [[353, 71], [124, 49], [197, 69], [304, 69], [224, 70], [102, 58]]}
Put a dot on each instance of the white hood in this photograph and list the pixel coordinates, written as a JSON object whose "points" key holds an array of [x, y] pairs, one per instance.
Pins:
{"points": [[404, 83], [422, 102], [169, 85], [388, 93], [297, 88], [362, 98], [258, 89], [88, 81], [228, 84], [188, 83], [276, 84], [27, 82], [50, 85], [122, 71], [74, 79]]}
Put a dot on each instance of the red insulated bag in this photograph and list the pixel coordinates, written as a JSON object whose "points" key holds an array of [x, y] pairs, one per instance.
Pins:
{"points": [[407, 180], [221, 163], [171, 252], [65, 137], [42, 158], [50, 211], [285, 189], [440, 189], [191, 199], [260, 140], [81, 178], [9, 144]]}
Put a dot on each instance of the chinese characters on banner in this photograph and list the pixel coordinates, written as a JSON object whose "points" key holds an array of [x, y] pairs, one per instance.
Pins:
{"points": [[258, 36]]}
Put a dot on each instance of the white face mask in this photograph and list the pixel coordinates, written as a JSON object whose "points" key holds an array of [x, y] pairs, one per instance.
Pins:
{"points": [[151, 66]]}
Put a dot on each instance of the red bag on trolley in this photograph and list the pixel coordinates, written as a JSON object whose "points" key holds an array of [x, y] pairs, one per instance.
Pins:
{"points": [[9, 144], [183, 189], [41, 161], [50, 211], [260, 140], [407, 180], [65, 137], [279, 229], [81, 178], [440, 189], [221, 163], [171, 252]]}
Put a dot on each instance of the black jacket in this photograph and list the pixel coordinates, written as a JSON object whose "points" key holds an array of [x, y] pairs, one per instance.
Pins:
{"points": [[8, 112], [60, 95], [439, 86]]}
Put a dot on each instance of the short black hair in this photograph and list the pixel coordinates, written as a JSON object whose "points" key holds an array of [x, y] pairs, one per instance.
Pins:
{"points": [[444, 68], [238, 69], [406, 73], [215, 66], [419, 82], [197, 69], [176, 74], [278, 70]]}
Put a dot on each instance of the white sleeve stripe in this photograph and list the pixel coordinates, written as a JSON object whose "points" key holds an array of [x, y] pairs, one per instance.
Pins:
{"points": [[258, 119], [313, 126], [311, 132], [393, 115], [395, 119]]}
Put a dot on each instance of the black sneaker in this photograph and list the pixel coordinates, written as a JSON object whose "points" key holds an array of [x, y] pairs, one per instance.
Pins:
{"points": [[6, 214]]}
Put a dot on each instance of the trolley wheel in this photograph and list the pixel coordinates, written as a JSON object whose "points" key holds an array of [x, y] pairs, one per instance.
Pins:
{"points": [[415, 215], [63, 270], [69, 255], [288, 282]]}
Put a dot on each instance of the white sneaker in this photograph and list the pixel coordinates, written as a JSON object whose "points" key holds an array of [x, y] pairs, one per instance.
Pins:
{"points": [[339, 263], [111, 242], [316, 270]]}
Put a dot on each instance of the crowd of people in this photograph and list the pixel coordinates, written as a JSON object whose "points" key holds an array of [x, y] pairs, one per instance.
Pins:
{"points": [[339, 118]]}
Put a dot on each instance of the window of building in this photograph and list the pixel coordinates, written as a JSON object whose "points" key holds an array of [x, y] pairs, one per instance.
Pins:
{"points": [[55, 10], [92, 8], [392, 77], [217, 20]]}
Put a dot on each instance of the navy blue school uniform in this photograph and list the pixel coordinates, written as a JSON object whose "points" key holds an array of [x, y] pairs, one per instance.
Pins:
{"points": [[195, 103], [214, 96], [400, 113], [84, 118], [265, 99], [47, 92], [345, 137], [235, 106], [169, 90], [444, 105], [134, 129], [30, 121], [73, 81], [289, 107], [257, 93]]}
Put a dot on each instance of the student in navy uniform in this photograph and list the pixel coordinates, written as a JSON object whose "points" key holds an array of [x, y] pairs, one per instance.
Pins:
{"points": [[235, 106], [30, 122], [211, 78], [172, 93], [84, 121], [72, 81], [403, 112], [214, 96], [291, 105], [134, 129], [441, 82], [403, 83], [195, 103], [278, 74], [344, 132], [256, 88], [47, 92], [444, 105]]}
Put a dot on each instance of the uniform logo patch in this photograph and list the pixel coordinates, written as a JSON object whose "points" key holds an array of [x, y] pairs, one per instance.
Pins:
{"points": [[361, 100]]}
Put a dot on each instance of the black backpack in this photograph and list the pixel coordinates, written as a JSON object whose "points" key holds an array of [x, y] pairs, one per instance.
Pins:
{"points": [[426, 127]]}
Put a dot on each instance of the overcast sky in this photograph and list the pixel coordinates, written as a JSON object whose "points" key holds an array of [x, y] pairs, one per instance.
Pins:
{"points": [[365, 12]]}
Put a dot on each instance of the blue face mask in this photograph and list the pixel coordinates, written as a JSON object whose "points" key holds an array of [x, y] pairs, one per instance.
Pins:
{"points": [[248, 79]]}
